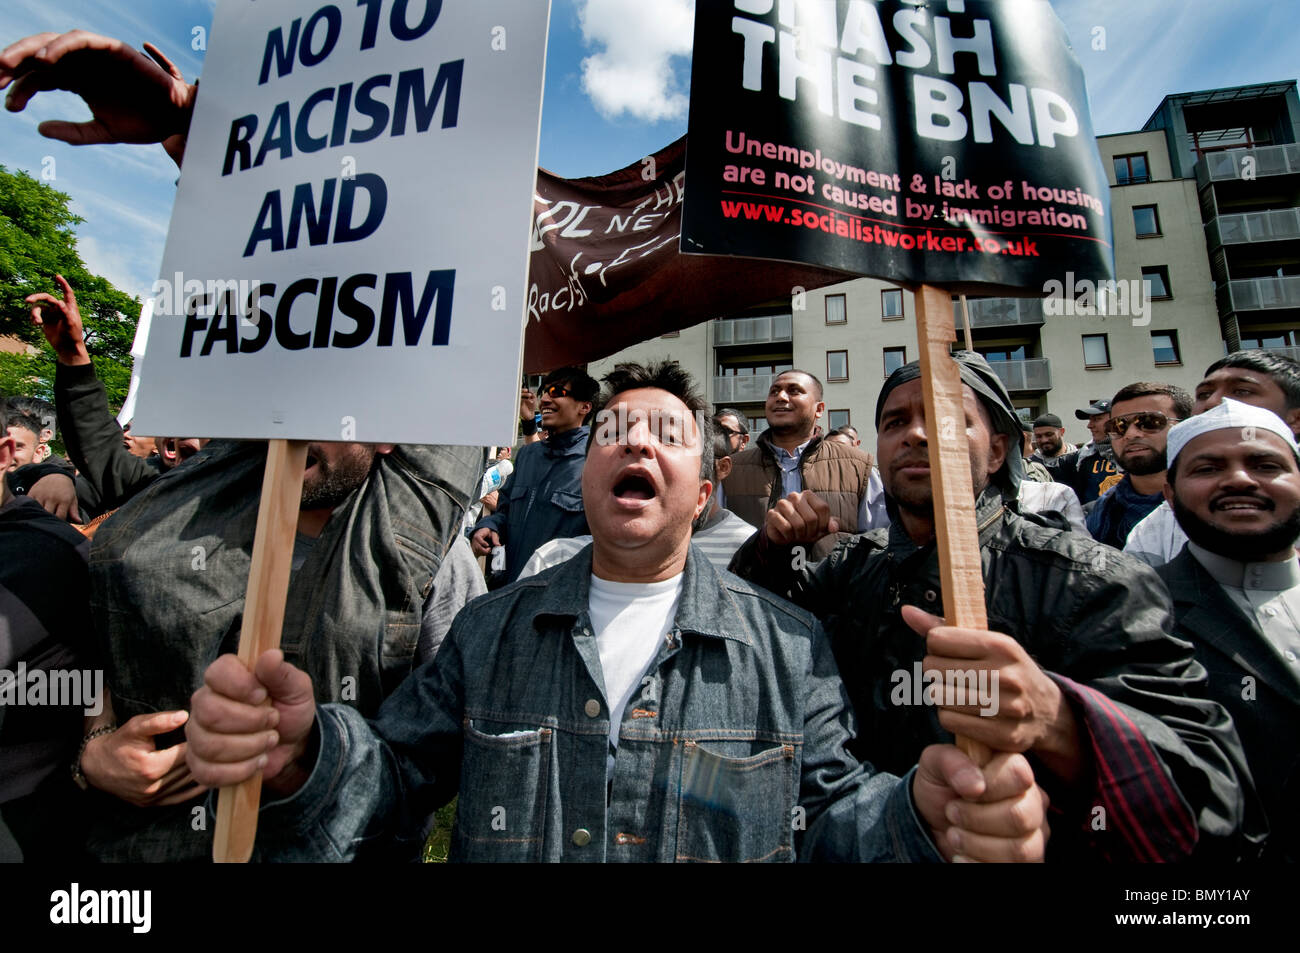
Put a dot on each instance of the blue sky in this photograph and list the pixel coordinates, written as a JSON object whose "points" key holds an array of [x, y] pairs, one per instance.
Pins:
{"points": [[617, 81]]}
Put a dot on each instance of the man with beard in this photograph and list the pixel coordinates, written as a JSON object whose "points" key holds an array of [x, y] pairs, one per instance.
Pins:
{"points": [[1234, 484], [1260, 378], [787, 457], [1049, 440], [1140, 417], [1111, 710]]}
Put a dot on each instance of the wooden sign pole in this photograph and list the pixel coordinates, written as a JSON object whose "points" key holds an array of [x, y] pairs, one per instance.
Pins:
{"points": [[954, 496], [268, 587]]}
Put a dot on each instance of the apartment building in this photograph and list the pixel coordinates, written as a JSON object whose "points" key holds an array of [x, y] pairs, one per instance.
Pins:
{"points": [[1205, 201]]}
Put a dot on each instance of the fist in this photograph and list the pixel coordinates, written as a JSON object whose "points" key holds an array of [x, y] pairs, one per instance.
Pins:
{"points": [[799, 518]]}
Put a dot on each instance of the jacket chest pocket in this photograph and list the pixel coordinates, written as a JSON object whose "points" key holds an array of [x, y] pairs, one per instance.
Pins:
{"points": [[736, 809], [566, 501], [504, 792]]}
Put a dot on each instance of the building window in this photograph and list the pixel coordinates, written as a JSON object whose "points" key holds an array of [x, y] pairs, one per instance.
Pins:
{"points": [[895, 357], [837, 365], [1164, 345], [1096, 351], [1146, 221], [838, 419], [1156, 279], [891, 304], [836, 310], [1131, 168]]}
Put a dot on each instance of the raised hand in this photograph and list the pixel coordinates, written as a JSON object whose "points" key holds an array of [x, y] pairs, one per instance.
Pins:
{"points": [[132, 97], [799, 518], [61, 323]]}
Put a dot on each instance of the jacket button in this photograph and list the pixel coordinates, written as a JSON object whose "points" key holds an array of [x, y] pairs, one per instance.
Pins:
{"points": [[581, 837], [592, 708], [931, 595]]}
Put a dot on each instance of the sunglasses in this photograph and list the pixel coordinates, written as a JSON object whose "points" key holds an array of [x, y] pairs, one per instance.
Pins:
{"points": [[1149, 422], [555, 390], [732, 433]]}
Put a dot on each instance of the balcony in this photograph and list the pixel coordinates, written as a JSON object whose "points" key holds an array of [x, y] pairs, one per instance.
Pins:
{"points": [[1275, 226], [1291, 352], [760, 330], [742, 390], [1263, 294], [1035, 374], [1000, 312], [1234, 165]]}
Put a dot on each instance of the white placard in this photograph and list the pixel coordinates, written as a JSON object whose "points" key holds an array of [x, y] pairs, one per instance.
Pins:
{"points": [[355, 205]]}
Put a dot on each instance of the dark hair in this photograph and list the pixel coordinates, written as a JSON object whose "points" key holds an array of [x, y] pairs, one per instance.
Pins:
{"points": [[1284, 371], [666, 376], [741, 420], [1182, 400], [841, 432], [721, 443], [35, 408], [582, 384], [817, 384], [15, 418]]}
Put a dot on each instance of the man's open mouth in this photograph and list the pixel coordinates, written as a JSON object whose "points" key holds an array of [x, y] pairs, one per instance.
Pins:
{"points": [[634, 487]]}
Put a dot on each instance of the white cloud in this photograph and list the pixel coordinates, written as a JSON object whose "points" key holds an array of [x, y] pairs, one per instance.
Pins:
{"points": [[635, 71]]}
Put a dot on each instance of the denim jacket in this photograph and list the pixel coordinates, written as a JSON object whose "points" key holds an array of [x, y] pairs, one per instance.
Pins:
{"points": [[734, 750]]}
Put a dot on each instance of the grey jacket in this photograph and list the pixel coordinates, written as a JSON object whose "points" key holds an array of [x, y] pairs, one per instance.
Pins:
{"points": [[734, 750]]}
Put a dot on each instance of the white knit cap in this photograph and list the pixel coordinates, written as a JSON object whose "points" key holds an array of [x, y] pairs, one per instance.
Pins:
{"points": [[1227, 415]]}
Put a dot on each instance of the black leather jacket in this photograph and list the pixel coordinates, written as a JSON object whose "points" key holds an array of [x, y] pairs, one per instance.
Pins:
{"points": [[1092, 617]]}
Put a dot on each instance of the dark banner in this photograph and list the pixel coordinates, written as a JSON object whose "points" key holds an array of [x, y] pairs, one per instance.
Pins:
{"points": [[939, 142], [605, 272]]}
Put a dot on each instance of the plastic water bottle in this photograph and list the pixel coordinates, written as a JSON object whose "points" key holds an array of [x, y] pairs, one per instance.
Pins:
{"points": [[495, 476]]}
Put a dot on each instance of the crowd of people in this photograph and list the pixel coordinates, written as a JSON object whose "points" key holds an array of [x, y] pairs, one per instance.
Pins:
{"points": [[657, 636]]}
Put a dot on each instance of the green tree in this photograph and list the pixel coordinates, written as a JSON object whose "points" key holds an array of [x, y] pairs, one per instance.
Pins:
{"points": [[38, 240]]}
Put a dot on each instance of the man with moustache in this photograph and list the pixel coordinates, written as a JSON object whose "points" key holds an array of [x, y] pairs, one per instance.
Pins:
{"points": [[1259, 378], [1090, 470], [1140, 417], [1234, 484], [630, 704], [1110, 709]]}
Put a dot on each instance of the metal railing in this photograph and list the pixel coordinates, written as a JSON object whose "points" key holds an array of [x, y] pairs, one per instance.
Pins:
{"points": [[1034, 374], [1264, 294], [760, 330], [739, 390], [1276, 225], [1291, 352], [1247, 164], [999, 312]]}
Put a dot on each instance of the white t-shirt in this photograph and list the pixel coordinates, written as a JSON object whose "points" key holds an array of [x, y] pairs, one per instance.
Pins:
{"points": [[630, 621]]}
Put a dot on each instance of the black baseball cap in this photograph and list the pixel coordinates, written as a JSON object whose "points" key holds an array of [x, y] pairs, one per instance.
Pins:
{"points": [[1094, 409], [1048, 420]]}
